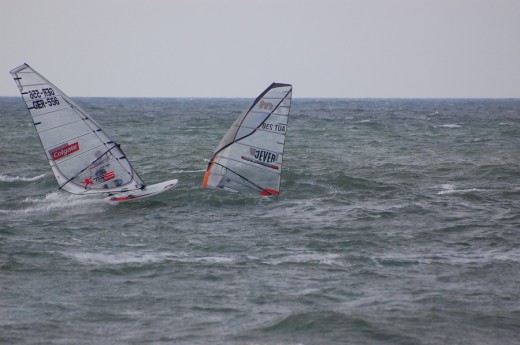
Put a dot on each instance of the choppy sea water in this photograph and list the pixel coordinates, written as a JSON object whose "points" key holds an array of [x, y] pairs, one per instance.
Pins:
{"points": [[398, 223]]}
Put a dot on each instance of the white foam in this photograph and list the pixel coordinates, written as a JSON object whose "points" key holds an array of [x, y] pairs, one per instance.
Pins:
{"points": [[450, 125], [481, 257], [450, 189], [116, 258], [141, 258], [323, 259], [74, 204], [447, 187], [6, 178], [186, 171], [213, 259]]}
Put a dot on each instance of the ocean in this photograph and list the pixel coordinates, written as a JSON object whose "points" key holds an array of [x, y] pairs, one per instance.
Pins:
{"points": [[398, 223]]}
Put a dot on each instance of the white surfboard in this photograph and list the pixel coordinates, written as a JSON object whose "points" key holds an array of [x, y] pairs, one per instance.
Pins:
{"points": [[148, 191], [82, 156]]}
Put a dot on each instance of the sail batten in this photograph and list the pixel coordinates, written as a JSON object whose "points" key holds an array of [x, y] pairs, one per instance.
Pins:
{"points": [[74, 138], [249, 157], [77, 149], [41, 114], [62, 125]]}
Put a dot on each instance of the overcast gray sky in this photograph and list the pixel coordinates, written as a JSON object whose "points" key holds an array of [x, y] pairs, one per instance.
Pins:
{"points": [[236, 48]]}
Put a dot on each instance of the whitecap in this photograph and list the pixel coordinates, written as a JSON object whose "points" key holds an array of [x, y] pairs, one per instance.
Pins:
{"points": [[317, 258], [204, 259], [6, 178], [141, 258], [215, 259], [450, 189], [450, 125], [447, 186], [116, 258], [55, 201], [187, 171]]}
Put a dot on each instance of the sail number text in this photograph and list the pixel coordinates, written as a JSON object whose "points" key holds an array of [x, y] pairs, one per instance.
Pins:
{"points": [[277, 127], [51, 101], [43, 98], [45, 92]]}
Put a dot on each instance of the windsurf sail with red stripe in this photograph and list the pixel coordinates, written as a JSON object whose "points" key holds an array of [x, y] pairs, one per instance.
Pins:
{"points": [[83, 157], [249, 157]]}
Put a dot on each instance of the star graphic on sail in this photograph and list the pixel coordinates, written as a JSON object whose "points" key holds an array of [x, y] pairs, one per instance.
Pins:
{"points": [[88, 181]]}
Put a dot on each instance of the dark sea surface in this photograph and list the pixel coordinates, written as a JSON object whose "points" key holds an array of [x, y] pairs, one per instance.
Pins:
{"points": [[398, 223]]}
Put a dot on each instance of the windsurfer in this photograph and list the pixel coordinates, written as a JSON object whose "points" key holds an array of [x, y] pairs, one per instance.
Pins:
{"points": [[99, 164]]}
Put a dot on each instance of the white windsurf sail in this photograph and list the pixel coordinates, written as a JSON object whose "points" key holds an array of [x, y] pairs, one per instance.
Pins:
{"points": [[249, 157], [83, 157]]}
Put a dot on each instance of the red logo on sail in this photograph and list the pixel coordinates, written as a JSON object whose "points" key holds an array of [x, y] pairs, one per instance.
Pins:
{"points": [[265, 105], [64, 150], [109, 175]]}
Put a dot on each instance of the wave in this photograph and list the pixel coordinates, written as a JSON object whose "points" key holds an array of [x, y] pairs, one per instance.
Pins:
{"points": [[187, 171], [116, 259], [450, 125], [338, 325], [312, 321], [481, 257], [309, 258], [6, 178], [450, 189], [143, 258], [55, 201]]}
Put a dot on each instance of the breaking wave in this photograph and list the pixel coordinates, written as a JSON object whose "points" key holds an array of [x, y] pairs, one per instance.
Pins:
{"points": [[450, 189], [6, 178], [56, 201]]}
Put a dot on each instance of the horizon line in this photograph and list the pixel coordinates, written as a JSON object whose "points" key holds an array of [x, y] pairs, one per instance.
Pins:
{"points": [[317, 98]]}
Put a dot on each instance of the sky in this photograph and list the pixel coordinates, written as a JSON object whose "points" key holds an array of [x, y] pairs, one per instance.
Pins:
{"points": [[236, 48]]}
